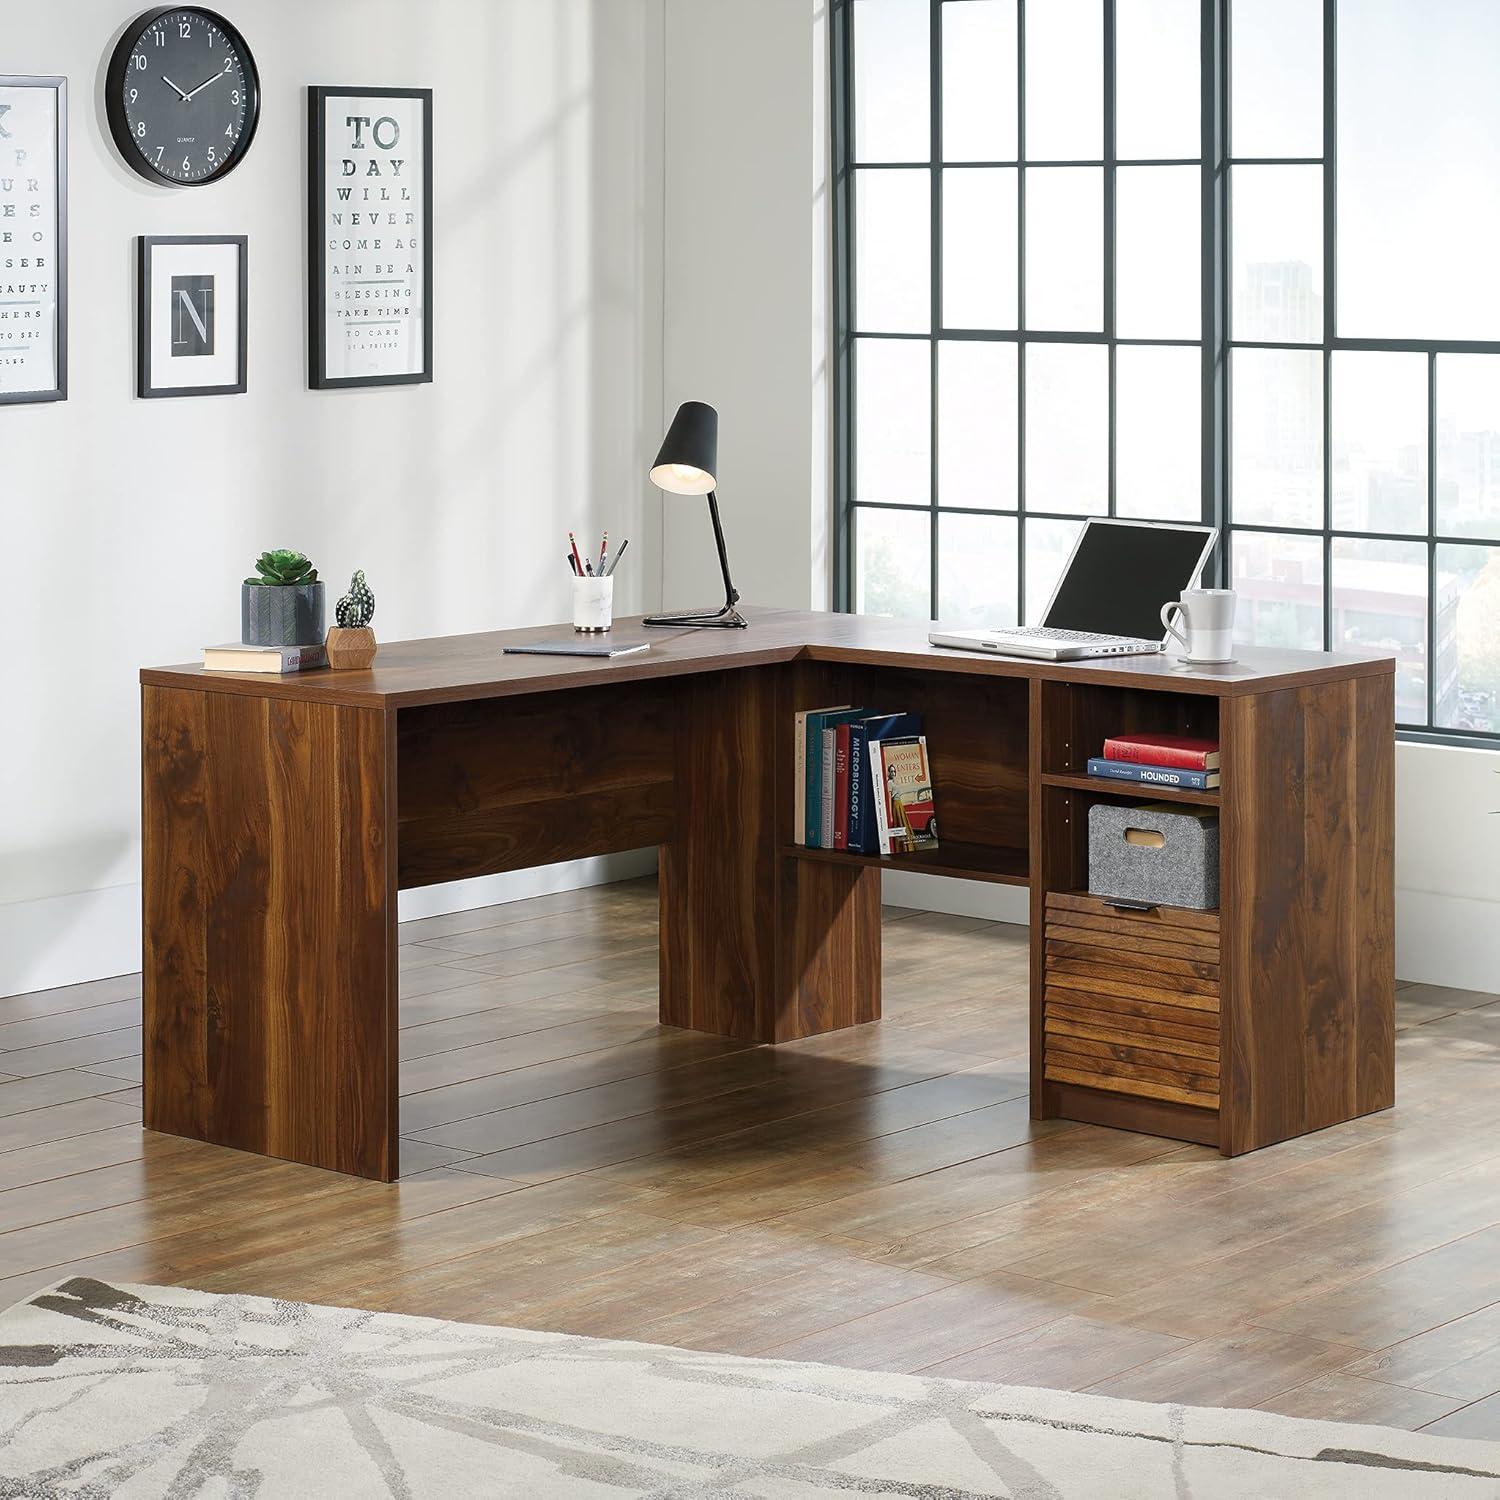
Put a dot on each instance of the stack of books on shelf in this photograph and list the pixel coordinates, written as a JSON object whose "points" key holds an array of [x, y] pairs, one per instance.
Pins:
{"points": [[1159, 760], [864, 782]]}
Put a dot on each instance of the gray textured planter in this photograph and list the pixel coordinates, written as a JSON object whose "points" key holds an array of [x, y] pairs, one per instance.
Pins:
{"points": [[277, 615]]}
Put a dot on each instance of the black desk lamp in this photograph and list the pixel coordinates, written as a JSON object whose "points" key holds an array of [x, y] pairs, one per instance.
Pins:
{"points": [[686, 465]]}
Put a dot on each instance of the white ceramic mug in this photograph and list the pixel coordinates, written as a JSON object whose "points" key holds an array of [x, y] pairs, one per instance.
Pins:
{"points": [[1207, 619], [593, 604]]}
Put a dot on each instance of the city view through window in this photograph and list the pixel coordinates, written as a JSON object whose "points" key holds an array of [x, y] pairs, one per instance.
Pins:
{"points": [[1051, 309]]}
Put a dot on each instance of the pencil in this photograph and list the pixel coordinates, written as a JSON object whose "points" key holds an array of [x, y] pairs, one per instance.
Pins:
{"points": [[615, 561], [603, 551], [577, 560]]}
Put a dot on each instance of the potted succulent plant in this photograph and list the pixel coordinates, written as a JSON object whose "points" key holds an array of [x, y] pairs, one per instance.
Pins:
{"points": [[351, 643], [283, 604]]}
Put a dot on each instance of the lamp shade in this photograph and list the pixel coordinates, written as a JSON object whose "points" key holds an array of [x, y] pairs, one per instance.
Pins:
{"points": [[689, 457]]}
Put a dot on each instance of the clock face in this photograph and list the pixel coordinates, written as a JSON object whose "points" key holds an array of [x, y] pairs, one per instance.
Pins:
{"points": [[183, 96]]}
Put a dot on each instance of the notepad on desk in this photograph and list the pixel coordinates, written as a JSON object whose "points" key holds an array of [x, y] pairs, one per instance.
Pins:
{"points": [[578, 648]]}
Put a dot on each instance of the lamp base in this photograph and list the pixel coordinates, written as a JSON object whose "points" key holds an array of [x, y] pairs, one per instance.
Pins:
{"points": [[725, 618]]}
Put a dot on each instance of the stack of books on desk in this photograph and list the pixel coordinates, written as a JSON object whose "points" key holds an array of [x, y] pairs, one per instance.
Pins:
{"points": [[1159, 760], [864, 782], [283, 659]]}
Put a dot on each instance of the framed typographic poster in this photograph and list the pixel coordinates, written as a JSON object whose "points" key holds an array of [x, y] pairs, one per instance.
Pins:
{"points": [[370, 236], [193, 315], [33, 239]]}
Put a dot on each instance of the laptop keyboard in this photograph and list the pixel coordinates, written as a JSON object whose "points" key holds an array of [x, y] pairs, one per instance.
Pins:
{"points": [[1052, 633]]}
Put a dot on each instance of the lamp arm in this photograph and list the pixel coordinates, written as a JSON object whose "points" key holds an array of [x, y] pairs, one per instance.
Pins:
{"points": [[731, 594], [726, 618]]}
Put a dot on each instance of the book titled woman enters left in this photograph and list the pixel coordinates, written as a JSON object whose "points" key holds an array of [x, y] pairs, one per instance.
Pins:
{"points": [[237, 658]]}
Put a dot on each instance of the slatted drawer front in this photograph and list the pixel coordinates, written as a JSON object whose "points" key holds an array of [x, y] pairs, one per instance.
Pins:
{"points": [[1132, 1000]]}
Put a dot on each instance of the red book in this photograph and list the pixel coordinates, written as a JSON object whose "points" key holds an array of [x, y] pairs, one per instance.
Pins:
{"points": [[1184, 751], [841, 787]]}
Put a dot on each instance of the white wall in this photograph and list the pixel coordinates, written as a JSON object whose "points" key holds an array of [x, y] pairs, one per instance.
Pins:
{"points": [[128, 524], [1448, 866], [747, 257]]}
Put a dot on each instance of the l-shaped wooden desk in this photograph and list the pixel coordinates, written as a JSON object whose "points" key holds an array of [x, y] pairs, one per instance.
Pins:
{"points": [[282, 815]]}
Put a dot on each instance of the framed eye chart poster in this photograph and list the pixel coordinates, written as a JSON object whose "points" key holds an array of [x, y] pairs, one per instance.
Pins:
{"points": [[370, 231], [33, 239]]}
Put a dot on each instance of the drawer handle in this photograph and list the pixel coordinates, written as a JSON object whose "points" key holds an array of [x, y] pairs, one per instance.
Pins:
{"points": [[1125, 905]]}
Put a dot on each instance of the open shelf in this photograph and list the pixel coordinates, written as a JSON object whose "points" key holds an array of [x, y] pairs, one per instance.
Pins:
{"points": [[979, 739], [1141, 791], [988, 862], [1077, 718]]}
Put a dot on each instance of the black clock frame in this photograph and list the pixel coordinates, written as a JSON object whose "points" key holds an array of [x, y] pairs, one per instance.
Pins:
{"points": [[114, 95]]}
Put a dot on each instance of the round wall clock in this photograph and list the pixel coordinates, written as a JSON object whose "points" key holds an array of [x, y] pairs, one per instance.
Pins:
{"points": [[182, 96]]}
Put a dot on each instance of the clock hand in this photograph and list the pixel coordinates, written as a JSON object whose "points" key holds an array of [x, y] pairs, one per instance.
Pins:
{"points": [[175, 89], [202, 86]]}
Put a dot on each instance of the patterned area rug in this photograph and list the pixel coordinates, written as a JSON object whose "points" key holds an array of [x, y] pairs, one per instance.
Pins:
{"points": [[134, 1391]]}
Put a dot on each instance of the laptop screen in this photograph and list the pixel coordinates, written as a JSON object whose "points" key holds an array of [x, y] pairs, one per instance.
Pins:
{"points": [[1120, 577]]}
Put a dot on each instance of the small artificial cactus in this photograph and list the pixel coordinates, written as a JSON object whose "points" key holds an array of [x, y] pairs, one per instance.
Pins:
{"points": [[282, 569], [357, 608]]}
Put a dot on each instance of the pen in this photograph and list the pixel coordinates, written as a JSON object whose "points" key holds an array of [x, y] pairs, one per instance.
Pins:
{"points": [[572, 565], [615, 561]]}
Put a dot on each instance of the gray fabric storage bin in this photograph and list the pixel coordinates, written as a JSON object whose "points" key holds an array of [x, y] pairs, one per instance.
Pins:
{"points": [[1182, 870]]}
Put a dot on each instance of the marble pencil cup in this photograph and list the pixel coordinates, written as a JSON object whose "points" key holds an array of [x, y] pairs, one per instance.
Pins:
{"points": [[593, 604]]}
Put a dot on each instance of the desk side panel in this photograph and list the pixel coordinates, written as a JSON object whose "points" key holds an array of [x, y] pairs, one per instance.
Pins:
{"points": [[1308, 909], [269, 927]]}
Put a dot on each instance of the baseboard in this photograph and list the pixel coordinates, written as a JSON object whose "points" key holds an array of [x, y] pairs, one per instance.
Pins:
{"points": [[97, 934], [68, 939], [959, 898], [518, 885], [1448, 940]]}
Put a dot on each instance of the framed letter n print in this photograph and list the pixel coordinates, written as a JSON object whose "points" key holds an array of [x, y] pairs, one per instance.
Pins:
{"points": [[370, 236], [192, 312], [33, 239]]}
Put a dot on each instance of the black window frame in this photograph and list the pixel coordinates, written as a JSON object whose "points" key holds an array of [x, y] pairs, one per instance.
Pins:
{"points": [[1216, 333]]}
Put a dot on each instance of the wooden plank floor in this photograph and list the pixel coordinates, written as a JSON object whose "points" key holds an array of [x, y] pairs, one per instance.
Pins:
{"points": [[876, 1198]]}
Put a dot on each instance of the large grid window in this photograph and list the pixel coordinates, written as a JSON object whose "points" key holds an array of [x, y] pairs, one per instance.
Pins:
{"points": [[1227, 260]]}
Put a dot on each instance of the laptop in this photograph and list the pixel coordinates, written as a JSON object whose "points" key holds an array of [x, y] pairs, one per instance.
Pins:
{"points": [[1109, 598]]}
